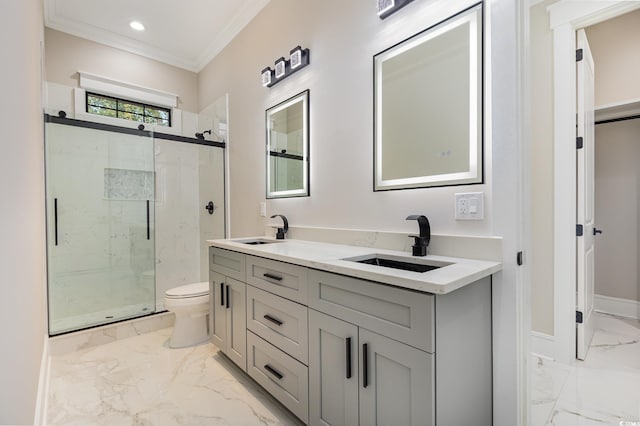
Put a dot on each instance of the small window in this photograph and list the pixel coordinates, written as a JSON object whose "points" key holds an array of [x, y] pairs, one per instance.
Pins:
{"points": [[128, 110]]}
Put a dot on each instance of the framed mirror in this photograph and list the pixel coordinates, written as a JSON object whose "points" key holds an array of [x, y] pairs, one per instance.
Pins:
{"points": [[287, 126], [428, 107]]}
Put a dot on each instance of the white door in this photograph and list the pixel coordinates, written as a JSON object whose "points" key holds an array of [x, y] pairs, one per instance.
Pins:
{"points": [[585, 199]]}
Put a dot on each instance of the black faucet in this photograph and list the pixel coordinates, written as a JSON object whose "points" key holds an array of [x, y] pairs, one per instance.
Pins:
{"points": [[281, 231], [422, 240]]}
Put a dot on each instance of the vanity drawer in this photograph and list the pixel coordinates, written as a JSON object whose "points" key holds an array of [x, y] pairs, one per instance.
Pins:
{"points": [[228, 263], [403, 315], [282, 376], [279, 321], [283, 279]]}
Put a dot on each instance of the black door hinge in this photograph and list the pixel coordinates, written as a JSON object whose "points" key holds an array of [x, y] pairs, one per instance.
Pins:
{"points": [[519, 258], [579, 317], [579, 55], [579, 142], [579, 231]]}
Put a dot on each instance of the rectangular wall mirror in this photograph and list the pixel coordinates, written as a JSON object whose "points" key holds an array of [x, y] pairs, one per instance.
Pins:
{"points": [[428, 107], [287, 127]]}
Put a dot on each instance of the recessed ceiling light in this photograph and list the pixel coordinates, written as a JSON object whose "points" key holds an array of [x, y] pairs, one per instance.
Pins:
{"points": [[136, 25]]}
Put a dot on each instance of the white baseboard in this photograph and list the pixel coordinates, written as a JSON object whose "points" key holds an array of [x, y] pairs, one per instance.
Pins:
{"points": [[615, 306], [40, 417], [542, 345]]}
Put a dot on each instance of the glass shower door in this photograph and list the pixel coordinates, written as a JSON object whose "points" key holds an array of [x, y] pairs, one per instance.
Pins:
{"points": [[100, 226]]}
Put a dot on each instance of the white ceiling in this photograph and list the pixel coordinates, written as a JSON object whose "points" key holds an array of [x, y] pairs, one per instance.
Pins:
{"points": [[184, 33]]}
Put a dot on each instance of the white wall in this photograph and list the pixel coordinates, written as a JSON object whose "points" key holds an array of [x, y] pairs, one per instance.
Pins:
{"points": [[22, 247], [343, 38]]}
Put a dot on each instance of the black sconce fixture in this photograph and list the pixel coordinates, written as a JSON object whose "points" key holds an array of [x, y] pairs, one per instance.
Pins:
{"points": [[387, 7], [299, 58]]}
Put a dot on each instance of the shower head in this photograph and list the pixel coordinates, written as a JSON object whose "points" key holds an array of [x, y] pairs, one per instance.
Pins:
{"points": [[201, 135]]}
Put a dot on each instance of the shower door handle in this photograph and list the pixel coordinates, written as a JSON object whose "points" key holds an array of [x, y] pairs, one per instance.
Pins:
{"points": [[55, 220], [148, 223]]}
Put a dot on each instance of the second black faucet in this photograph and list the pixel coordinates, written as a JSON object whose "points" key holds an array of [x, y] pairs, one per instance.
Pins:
{"points": [[422, 240]]}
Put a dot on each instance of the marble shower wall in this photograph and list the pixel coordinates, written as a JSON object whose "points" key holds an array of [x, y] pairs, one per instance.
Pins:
{"points": [[187, 177], [212, 178]]}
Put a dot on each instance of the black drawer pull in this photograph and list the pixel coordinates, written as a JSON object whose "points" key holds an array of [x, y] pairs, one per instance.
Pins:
{"points": [[273, 277], [348, 342], [273, 320], [273, 371], [221, 294], [365, 365], [227, 297]]}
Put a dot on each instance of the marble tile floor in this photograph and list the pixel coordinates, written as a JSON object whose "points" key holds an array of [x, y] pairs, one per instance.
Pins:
{"points": [[602, 390], [141, 381]]}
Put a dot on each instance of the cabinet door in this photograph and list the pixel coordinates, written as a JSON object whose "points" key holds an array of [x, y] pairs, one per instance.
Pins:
{"points": [[219, 315], [396, 382], [333, 389], [236, 350]]}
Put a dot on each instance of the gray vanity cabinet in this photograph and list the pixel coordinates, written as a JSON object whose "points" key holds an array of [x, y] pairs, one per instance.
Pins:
{"points": [[339, 350], [228, 326], [427, 360], [360, 377]]}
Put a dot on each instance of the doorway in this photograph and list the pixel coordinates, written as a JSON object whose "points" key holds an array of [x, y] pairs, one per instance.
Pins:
{"points": [[566, 18]]}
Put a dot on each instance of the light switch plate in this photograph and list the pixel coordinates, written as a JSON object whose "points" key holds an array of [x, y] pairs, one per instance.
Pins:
{"points": [[263, 209], [469, 206]]}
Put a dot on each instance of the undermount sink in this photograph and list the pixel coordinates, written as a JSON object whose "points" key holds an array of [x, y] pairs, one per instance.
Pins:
{"points": [[397, 262], [258, 241]]}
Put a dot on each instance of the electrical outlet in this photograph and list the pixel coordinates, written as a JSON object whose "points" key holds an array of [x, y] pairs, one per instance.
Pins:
{"points": [[263, 209], [469, 206]]}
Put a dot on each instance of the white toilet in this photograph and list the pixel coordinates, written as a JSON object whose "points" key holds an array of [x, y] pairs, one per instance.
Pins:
{"points": [[190, 304]]}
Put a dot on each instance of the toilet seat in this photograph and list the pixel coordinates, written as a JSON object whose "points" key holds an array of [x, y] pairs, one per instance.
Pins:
{"points": [[188, 291]]}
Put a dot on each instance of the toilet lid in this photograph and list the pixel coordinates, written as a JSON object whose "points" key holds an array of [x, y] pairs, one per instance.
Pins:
{"points": [[189, 290]]}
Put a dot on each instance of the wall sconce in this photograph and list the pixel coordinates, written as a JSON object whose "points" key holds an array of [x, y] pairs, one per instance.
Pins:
{"points": [[299, 58], [387, 7]]}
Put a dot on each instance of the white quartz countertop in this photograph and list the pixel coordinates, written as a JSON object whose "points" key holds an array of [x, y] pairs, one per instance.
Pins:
{"points": [[457, 273]]}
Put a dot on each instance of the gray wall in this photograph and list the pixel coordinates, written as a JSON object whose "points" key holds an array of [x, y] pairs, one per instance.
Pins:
{"points": [[22, 249], [67, 54], [617, 204]]}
